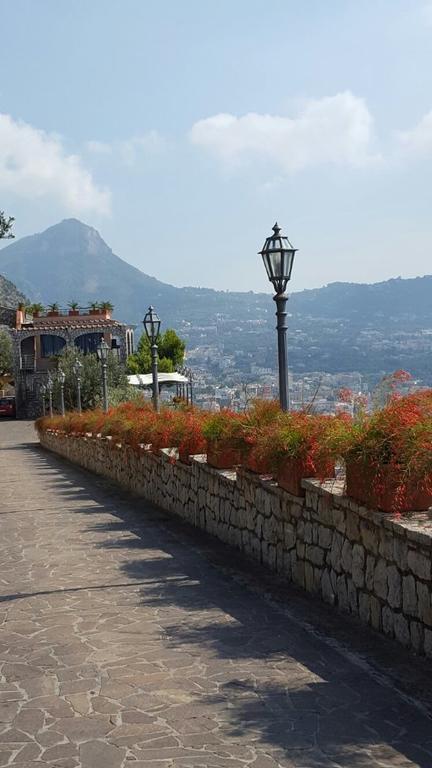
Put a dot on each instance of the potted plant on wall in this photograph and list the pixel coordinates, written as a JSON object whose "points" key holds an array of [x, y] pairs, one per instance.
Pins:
{"points": [[259, 416], [223, 433], [106, 308], [388, 456], [73, 308], [94, 308], [53, 310], [298, 446], [36, 309]]}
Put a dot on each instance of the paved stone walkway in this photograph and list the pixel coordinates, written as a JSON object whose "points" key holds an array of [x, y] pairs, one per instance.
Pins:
{"points": [[124, 642]]}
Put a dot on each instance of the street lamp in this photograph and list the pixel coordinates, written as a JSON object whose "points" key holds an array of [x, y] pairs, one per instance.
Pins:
{"points": [[278, 257], [49, 387], [43, 390], [152, 325], [61, 378], [102, 353], [77, 369]]}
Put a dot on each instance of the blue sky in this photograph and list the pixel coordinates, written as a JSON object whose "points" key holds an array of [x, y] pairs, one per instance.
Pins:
{"points": [[182, 130]]}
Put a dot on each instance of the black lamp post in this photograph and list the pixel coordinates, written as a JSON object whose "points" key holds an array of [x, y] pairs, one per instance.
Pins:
{"points": [[49, 387], [152, 325], [102, 353], [61, 378], [43, 390], [278, 257], [77, 369]]}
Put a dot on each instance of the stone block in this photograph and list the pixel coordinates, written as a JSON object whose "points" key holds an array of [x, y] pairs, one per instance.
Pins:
{"points": [[307, 534], [394, 587], [347, 556], [358, 565], [342, 593], [386, 545], [370, 571], [400, 553], [352, 596], [289, 536], [327, 588], [380, 586], [375, 612], [428, 642], [315, 554], [364, 607], [401, 629], [419, 564], [352, 526], [417, 636], [369, 536], [336, 553], [308, 577], [325, 536], [409, 595], [387, 621], [300, 548], [339, 519], [424, 607]]}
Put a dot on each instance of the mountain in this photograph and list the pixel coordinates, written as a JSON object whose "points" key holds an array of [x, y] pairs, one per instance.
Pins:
{"points": [[340, 327], [70, 261], [10, 296]]}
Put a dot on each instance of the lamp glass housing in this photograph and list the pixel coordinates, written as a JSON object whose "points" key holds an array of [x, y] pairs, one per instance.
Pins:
{"points": [[152, 325], [102, 351], [278, 257]]}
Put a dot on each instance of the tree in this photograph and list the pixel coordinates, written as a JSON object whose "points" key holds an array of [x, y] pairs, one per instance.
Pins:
{"points": [[91, 377], [6, 224], [171, 349], [6, 355]]}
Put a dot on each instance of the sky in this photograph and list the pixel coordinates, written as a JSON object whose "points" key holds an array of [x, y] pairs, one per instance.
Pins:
{"points": [[182, 129]]}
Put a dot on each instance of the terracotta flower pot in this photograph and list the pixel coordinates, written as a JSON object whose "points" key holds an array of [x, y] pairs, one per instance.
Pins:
{"points": [[259, 466], [221, 455], [53, 313], [293, 471], [380, 491], [73, 312]]}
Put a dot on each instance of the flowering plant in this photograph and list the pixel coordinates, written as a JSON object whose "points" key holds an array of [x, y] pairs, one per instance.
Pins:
{"points": [[394, 447]]}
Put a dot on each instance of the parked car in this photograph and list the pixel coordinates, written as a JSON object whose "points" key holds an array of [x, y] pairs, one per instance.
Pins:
{"points": [[7, 406]]}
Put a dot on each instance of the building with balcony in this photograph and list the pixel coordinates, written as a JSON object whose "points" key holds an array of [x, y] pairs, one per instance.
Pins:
{"points": [[38, 338]]}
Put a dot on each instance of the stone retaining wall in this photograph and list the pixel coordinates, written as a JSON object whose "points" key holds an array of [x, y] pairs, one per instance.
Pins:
{"points": [[373, 565]]}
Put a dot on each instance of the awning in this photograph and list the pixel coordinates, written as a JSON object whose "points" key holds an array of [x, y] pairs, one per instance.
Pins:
{"points": [[145, 379]]}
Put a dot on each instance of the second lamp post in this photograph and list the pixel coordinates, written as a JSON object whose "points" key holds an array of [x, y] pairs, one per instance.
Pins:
{"points": [[102, 353], [278, 257], [61, 379], [77, 369], [152, 325]]}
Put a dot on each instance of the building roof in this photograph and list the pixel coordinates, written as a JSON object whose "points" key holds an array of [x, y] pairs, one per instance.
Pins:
{"points": [[83, 322]]}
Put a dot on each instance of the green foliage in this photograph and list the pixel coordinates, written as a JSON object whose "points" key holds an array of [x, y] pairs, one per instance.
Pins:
{"points": [[6, 356], [6, 224], [91, 380], [36, 308], [171, 349]]}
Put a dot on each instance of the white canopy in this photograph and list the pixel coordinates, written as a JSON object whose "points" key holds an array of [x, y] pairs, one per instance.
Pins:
{"points": [[145, 379]]}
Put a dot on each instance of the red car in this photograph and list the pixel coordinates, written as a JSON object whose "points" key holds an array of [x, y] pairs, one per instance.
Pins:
{"points": [[7, 406]]}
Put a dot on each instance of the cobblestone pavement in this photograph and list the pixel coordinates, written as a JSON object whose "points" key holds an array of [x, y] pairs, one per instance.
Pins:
{"points": [[124, 642]]}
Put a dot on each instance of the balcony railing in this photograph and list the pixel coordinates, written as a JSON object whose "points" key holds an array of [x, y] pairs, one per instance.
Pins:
{"points": [[28, 363]]}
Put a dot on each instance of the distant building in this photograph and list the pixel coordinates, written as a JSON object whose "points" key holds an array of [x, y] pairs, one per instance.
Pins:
{"points": [[38, 338]]}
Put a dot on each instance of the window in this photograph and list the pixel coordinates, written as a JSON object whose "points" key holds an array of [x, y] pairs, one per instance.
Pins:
{"points": [[51, 345]]}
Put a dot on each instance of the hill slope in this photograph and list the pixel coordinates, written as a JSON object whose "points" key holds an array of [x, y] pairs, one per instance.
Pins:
{"points": [[10, 296]]}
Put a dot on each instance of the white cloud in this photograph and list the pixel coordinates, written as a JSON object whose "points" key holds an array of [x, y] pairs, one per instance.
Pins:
{"points": [[337, 130], [418, 140], [129, 150], [98, 147], [34, 164]]}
